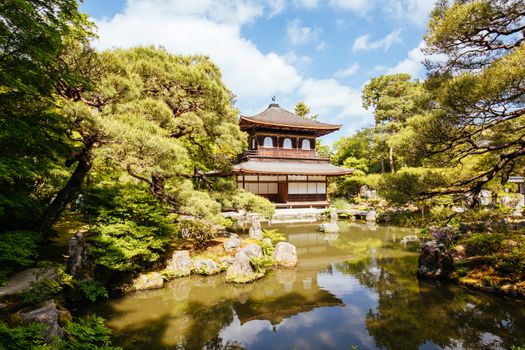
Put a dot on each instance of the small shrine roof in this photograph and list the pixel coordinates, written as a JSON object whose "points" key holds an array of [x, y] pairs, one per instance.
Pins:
{"points": [[276, 117]]}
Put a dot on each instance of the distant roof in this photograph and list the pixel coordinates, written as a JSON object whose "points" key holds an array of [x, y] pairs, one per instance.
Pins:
{"points": [[283, 167], [275, 116]]}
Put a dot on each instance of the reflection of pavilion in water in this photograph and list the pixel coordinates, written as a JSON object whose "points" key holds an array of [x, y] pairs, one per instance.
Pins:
{"points": [[295, 292]]}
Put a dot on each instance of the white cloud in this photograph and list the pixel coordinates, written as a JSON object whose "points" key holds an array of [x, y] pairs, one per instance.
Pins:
{"points": [[214, 28], [298, 34], [246, 70], [297, 61], [347, 72], [276, 7], [309, 4], [415, 11], [362, 43], [360, 7], [412, 64]]}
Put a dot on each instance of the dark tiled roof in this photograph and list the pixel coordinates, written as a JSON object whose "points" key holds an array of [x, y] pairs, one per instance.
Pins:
{"points": [[284, 167], [280, 117]]}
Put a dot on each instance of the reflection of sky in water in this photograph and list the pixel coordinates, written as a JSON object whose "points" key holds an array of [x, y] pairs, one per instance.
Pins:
{"points": [[323, 328], [355, 288]]}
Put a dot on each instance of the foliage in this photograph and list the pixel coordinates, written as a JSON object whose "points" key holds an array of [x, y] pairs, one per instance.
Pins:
{"points": [[47, 288], [17, 248], [88, 333], [23, 338], [406, 185], [253, 203], [340, 204], [302, 110], [93, 290], [267, 247], [32, 130], [446, 234], [262, 263], [477, 86], [482, 243], [274, 235], [132, 228], [199, 231]]}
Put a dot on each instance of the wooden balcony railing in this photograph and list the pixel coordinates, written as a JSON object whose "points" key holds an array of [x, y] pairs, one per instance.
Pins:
{"points": [[278, 152]]}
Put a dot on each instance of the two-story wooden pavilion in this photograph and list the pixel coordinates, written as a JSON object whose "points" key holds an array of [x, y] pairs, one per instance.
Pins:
{"points": [[282, 163]]}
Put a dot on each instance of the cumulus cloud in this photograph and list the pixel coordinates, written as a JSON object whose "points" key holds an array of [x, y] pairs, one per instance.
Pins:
{"points": [[246, 70], [309, 4], [299, 34], [214, 28], [415, 11], [412, 64], [349, 71], [363, 43], [360, 7]]}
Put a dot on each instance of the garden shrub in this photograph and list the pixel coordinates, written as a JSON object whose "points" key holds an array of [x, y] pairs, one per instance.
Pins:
{"points": [[132, 228], [93, 290], [17, 249], [274, 235], [26, 337], [87, 334], [482, 243], [46, 289], [252, 203]]}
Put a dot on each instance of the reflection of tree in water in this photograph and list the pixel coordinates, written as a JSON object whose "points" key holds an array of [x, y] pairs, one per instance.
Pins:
{"points": [[205, 324], [412, 312]]}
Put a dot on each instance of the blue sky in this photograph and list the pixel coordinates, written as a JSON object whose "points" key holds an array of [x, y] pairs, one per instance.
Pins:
{"points": [[319, 52]]}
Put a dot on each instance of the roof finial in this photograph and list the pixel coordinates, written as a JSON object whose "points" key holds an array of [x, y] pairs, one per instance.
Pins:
{"points": [[273, 104], [273, 98]]}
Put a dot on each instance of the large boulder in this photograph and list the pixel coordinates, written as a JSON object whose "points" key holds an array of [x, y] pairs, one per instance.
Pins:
{"points": [[150, 280], [255, 230], [253, 250], [179, 264], [80, 263], [371, 216], [329, 227], [50, 314], [241, 271], [205, 267], [232, 244], [285, 254], [435, 261]]}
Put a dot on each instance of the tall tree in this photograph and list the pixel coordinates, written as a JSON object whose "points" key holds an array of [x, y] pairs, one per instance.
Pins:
{"points": [[478, 85], [166, 120], [395, 99], [302, 109], [32, 33]]}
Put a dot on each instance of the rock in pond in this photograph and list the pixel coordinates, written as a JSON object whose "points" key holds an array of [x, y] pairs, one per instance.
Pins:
{"points": [[205, 267], [371, 216], [285, 254], [255, 229], [253, 250], [232, 244], [180, 264], [435, 261], [80, 264], [150, 280], [329, 227], [50, 314], [242, 271]]}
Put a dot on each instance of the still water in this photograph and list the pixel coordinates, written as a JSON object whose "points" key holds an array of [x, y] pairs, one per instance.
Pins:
{"points": [[355, 289]]}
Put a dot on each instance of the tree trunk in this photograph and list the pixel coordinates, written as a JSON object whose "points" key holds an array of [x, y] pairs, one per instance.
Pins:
{"points": [[382, 166], [66, 194], [391, 159]]}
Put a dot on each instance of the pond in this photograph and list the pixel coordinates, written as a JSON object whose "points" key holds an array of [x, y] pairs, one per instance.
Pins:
{"points": [[352, 290]]}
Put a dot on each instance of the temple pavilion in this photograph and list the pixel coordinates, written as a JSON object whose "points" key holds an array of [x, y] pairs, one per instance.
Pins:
{"points": [[281, 163]]}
